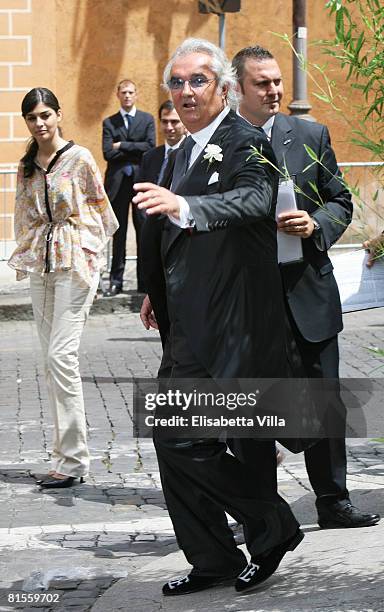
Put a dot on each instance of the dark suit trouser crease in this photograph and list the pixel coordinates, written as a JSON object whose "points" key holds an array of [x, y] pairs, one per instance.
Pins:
{"points": [[326, 461], [202, 481], [120, 205]]}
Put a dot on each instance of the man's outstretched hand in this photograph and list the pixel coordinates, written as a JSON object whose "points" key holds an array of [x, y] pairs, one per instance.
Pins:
{"points": [[154, 199], [147, 316]]}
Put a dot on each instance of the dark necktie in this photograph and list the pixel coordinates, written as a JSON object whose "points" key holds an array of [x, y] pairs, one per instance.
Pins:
{"points": [[181, 163], [163, 166], [128, 170], [130, 119]]}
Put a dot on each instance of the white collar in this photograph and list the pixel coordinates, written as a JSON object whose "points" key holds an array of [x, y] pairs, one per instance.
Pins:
{"points": [[124, 113], [202, 137], [174, 147], [267, 127]]}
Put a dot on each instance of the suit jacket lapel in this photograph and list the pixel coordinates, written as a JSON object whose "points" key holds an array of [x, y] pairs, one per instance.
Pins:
{"points": [[167, 177], [201, 169], [196, 179], [119, 125], [282, 138], [170, 230]]}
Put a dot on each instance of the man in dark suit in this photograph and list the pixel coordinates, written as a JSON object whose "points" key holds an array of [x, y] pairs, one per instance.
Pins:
{"points": [[127, 135], [152, 170], [311, 294], [218, 249], [155, 161]]}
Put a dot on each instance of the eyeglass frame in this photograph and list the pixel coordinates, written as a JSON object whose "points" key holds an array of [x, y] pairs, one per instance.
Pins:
{"points": [[184, 81]]}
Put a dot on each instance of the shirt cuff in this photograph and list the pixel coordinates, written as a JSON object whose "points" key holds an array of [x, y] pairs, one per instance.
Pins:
{"points": [[186, 219]]}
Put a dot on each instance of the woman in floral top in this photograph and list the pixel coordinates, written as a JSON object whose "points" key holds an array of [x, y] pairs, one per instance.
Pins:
{"points": [[63, 220]]}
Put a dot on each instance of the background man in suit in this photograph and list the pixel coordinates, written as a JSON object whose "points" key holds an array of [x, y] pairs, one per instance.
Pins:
{"points": [[311, 294], [154, 161], [218, 249], [127, 135], [152, 170]]}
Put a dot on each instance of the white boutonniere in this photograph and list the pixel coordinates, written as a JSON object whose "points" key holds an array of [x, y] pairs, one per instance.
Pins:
{"points": [[213, 153]]}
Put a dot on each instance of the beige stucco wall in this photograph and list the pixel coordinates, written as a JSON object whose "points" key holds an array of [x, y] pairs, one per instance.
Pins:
{"points": [[82, 48]]}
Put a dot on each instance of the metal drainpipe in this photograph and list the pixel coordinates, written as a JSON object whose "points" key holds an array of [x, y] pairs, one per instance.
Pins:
{"points": [[300, 105]]}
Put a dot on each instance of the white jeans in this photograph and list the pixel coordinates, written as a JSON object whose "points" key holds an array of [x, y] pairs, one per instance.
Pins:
{"points": [[61, 303]]}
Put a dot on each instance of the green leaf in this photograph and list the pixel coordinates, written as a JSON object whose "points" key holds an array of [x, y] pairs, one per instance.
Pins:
{"points": [[309, 166], [322, 97], [311, 152], [314, 187]]}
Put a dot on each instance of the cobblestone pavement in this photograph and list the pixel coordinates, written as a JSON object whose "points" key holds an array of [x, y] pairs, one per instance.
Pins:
{"points": [[77, 542]]}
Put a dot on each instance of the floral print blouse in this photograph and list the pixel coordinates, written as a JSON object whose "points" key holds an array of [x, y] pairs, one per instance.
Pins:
{"points": [[71, 233]]}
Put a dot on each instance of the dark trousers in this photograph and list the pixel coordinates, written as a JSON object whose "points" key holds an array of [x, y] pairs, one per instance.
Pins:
{"points": [[120, 205], [326, 461], [201, 481]]}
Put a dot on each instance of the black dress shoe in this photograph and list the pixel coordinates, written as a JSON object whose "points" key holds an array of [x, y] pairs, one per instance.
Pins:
{"points": [[51, 482], [261, 568], [40, 479], [343, 514], [193, 584], [113, 290]]}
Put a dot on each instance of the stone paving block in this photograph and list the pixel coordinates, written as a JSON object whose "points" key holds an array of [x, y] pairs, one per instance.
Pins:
{"points": [[78, 544], [79, 603], [63, 584], [75, 537]]}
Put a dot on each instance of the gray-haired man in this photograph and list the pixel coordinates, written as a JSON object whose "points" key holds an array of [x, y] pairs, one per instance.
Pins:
{"points": [[218, 249]]}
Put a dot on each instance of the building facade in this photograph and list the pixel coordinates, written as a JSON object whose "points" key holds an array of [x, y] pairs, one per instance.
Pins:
{"points": [[82, 48]]}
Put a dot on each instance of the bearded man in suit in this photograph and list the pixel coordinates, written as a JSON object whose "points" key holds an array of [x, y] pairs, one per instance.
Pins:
{"points": [[127, 135], [224, 300], [311, 295]]}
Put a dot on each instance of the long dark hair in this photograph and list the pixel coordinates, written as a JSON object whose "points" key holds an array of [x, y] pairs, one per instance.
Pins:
{"points": [[30, 101]]}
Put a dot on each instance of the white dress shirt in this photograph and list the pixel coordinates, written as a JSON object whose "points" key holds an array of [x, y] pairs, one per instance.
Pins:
{"points": [[201, 138], [267, 127], [169, 148], [124, 114]]}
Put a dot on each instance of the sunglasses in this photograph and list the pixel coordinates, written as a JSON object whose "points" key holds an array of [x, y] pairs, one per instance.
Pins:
{"points": [[177, 84]]}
